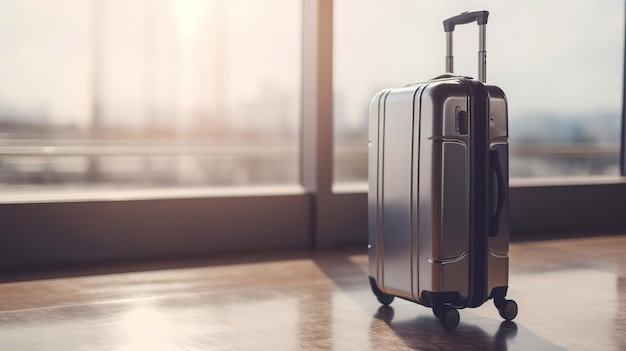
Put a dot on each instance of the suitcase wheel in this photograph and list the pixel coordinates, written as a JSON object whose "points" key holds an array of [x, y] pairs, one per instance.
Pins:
{"points": [[383, 298], [508, 309], [448, 317]]}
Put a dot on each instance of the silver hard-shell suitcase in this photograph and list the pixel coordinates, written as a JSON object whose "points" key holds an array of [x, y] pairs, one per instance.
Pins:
{"points": [[438, 191]]}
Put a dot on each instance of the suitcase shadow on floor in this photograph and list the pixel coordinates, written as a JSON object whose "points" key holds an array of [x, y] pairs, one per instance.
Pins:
{"points": [[425, 333]]}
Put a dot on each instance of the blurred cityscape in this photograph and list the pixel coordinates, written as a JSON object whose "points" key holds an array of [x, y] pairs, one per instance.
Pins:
{"points": [[35, 155], [540, 146]]}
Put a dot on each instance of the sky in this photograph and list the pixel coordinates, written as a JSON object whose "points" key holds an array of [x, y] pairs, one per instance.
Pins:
{"points": [[550, 57], [179, 56]]}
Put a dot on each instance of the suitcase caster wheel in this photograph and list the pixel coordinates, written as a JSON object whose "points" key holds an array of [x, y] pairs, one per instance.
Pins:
{"points": [[449, 317], [508, 310], [383, 298]]}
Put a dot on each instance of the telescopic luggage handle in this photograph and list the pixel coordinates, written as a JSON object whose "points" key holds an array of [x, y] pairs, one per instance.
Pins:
{"points": [[468, 17]]}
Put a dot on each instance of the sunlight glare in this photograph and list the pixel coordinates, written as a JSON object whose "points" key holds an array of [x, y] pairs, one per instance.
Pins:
{"points": [[189, 15]]}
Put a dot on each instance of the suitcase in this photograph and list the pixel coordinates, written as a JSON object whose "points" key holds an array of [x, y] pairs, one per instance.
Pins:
{"points": [[438, 191]]}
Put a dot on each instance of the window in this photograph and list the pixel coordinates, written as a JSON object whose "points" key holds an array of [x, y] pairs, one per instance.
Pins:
{"points": [[133, 94], [561, 70], [49, 139]]}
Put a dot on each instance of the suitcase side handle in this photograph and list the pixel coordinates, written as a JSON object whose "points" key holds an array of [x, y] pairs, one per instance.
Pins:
{"points": [[468, 17], [500, 189]]}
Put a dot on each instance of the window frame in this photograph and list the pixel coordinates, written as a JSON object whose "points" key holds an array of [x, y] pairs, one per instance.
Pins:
{"points": [[314, 216], [623, 141]]}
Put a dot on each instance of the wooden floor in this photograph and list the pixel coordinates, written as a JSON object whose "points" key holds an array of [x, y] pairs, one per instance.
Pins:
{"points": [[571, 294]]}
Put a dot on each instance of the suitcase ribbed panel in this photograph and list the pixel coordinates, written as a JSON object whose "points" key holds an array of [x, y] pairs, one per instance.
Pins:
{"points": [[443, 191], [479, 193], [374, 174], [498, 258], [396, 185]]}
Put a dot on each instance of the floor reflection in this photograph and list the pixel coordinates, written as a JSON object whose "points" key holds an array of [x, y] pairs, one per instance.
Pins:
{"points": [[620, 316], [425, 333]]}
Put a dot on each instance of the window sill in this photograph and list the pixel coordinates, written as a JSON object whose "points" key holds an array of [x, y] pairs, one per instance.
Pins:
{"points": [[112, 194], [350, 187], [564, 181], [362, 187]]}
